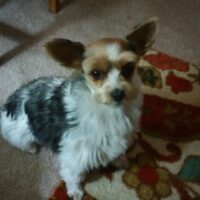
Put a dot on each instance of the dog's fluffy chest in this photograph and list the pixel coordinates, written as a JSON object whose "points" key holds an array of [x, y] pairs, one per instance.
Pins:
{"points": [[101, 134]]}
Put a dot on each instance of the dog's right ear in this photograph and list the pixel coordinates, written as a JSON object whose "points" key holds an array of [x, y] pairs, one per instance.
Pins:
{"points": [[68, 53]]}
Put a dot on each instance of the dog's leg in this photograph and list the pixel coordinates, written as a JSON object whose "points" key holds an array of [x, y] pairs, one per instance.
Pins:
{"points": [[73, 183], [73, 177], [17, 133]]}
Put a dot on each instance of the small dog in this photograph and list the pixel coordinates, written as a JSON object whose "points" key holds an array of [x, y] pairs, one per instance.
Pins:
{"points": [[89, 119]]}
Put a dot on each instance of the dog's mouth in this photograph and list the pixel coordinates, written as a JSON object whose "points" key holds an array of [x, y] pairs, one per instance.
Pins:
{"points": [[108, 99]]}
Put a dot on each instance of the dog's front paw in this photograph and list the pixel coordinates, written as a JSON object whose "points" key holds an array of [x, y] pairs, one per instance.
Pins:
{"points": [[76, 195]]}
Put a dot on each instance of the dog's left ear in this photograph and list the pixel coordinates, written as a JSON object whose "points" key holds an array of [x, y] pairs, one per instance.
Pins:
{"points": [[68, 53], [142, 37]]}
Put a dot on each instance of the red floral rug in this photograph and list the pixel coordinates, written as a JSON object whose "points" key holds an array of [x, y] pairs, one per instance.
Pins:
{"points": [[165, 159]]}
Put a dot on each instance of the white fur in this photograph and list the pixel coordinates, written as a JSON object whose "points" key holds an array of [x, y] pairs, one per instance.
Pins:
{"points": [[113, 51], [102, 94], [104, 133], [56, 82], [113, 79], [17, 132]]}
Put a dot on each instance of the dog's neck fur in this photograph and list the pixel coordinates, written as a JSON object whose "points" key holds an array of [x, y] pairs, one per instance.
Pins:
{"points": [[98, 127]]}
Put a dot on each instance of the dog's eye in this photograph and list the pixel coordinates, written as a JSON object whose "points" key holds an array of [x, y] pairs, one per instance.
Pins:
{"points": [[128, 69], [97, 74]]}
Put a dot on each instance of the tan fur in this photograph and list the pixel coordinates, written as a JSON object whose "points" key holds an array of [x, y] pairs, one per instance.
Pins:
{"points": [[97, 62], [99, 59], [66, 52], [109, 76], [98, 47], [126, 57], [103, 56], [106, 41]]}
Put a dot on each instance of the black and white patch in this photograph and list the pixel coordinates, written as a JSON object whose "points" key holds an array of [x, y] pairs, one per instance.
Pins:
{"points": [[42, 101]]}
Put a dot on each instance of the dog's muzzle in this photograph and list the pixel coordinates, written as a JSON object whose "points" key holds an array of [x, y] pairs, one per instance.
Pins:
{"points": [[117, 95]]}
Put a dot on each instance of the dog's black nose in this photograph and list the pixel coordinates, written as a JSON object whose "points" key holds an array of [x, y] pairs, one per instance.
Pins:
{"points": [[117, 95]]}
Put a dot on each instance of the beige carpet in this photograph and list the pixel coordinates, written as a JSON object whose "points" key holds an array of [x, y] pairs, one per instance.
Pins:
{"points": [[25, 26]]}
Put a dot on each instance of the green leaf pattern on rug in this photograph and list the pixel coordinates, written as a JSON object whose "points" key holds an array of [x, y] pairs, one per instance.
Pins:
{"points": [[150, 76], [191, 169]]}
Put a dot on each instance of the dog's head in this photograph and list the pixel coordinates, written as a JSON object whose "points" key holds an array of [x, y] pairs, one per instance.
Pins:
{"points": [[109, 65]]}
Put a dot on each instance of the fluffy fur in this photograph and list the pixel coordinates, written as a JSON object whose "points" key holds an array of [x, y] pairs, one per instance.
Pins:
{"points": [[89, 119]]}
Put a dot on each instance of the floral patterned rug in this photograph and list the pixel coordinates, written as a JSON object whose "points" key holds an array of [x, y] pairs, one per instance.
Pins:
{"points": [[165, 159]]}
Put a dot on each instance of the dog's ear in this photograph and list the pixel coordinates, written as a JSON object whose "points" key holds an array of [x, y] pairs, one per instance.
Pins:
{"points": [[142, 37], [68, 53]]}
